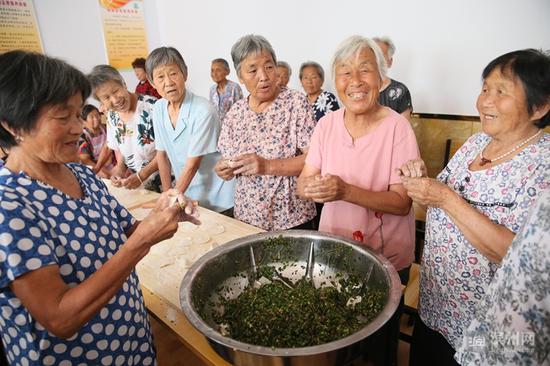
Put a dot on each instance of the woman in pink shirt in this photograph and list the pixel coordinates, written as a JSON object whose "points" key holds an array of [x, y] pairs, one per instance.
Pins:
{"points": [[352, 160]]}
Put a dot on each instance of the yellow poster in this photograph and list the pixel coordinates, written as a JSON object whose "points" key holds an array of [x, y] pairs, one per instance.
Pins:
{"points": [[18, 28], [123, 31]]}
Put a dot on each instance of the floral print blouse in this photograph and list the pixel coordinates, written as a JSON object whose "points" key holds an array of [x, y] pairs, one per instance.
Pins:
{"points": [[454, 274], [224, 100], [325, 102], [281, 131], [511, 325], [135, 138]]}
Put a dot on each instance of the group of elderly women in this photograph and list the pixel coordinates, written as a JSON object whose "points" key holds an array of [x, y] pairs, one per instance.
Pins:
{"points": [[68, 290]]}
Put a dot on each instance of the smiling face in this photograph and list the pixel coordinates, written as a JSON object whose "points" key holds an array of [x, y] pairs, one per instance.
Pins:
{"points": [[55, 137], [259, 76], [218, 72], [357, 82], [311, 81], [169, 81], [113, 96], [502, 105], [93, 120]]}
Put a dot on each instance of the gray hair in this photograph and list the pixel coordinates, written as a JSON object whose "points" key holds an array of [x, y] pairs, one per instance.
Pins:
{"points": [[354, 45], [285, 65], [317, 67], [102, 74], [221, 61], [388, 42], [249, 44], [163, 56]]}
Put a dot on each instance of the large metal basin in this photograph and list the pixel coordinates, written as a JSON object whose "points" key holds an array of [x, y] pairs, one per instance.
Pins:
{"points": [[231, 265]]}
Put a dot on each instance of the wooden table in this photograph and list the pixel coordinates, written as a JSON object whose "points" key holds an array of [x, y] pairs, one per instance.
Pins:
{"points": [[162, 270]]}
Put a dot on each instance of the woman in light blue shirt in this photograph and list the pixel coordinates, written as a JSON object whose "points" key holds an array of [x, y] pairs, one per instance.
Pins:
{"points": [[186, 131]]}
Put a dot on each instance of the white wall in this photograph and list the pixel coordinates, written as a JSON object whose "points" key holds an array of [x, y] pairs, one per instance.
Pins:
{"points": [[72, 30], [442, 46]]}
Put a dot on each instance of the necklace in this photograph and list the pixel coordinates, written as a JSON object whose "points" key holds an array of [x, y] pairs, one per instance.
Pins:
{"points": [[487, 161]]}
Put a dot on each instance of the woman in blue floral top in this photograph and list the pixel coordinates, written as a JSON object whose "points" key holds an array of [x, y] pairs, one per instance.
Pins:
{"points": [[480, 200], [312, 77], [129, 129]]}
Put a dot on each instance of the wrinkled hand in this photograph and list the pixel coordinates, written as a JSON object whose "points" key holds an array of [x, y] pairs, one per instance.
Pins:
{"points": [[325, 188], [413, 169], [132, 182], [158, 225], [426, 191], [224, 169], [116, 180], [188, 208], [249, 164]]}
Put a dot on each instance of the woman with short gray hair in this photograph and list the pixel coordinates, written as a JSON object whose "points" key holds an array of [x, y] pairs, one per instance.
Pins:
{"points": [[363, 197], [263, 142], [312, 77], [186, 130], [129, 129]]}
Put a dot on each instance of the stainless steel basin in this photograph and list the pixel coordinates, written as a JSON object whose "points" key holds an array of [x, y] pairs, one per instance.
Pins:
{"points": [[231, 264]]}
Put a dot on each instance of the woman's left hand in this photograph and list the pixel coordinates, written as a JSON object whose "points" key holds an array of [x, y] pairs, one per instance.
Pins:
{"points": [[427, 191], [131, 182], [250, 164], [326, 188]]}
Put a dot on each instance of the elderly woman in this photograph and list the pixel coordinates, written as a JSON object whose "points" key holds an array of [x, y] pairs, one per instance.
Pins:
{"points": [[480, 200], [68, 290], [312, 77], [143, 86], [351, 168], [263, 142], [187, 130], [284, 71], [129, 129], [225, 92]]}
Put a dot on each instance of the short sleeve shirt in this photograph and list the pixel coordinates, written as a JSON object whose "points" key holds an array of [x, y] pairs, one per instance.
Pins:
{"points": [[511, 323], [454, 274], [280, 132], [396, 96], [368, 162], [196, 134], [42, 226], [135, 138], [224, 100]]}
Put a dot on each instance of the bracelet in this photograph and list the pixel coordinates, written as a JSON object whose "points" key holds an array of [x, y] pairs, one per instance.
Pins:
{"points": [[138, 177]]}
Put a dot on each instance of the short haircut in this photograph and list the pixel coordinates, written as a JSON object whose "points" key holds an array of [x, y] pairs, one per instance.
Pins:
{"points": [[247, 45], [139, 63], [354, 45], [317, 67], [286, 66], [532, 68], [221, 61], [163, 56], [102, 74], [87, 109], [388, 42], [30, 81]]}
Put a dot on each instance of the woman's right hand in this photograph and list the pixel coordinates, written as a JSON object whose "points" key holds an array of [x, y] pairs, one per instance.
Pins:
{"points": [[224, 170], [413, 169]]}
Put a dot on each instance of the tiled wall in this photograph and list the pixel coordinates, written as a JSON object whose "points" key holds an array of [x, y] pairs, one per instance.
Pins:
{"points": [[432, 135]]}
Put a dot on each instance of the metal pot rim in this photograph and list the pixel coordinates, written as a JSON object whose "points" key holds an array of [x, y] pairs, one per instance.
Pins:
{"points": [[215, 336]]}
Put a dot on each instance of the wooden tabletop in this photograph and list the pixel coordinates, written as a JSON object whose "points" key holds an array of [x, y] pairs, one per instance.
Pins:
{"points": [[162, 270]]}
